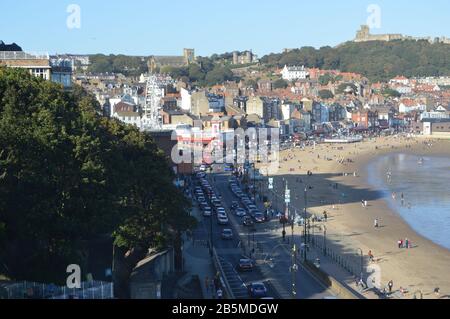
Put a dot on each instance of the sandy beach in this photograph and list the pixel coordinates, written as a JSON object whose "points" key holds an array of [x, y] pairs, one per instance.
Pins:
{"points": [[351, 226]]}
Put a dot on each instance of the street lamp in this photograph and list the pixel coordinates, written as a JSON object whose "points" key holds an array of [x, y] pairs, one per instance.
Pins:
{"points": [[304, 220]]}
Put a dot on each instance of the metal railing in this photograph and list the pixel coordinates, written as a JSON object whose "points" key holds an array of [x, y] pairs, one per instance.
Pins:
{"points": [[20, 55], [33, 290]]}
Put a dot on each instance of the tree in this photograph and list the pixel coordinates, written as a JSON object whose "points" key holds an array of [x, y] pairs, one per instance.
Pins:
{"points": [[219, 75], [326, 94], [68, 175], [391, 93], [280, 84]]}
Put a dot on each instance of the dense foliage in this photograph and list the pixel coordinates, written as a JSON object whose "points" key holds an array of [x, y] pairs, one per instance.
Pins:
{"points": [[127, 65], [378, 61], [206, 72], [68, 175]]}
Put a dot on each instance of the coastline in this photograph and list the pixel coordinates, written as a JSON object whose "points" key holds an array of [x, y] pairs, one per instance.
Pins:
{"points": [[351, 226]]}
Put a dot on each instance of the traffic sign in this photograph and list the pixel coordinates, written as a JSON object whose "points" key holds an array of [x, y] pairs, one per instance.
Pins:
{"points": [[287, 197]]}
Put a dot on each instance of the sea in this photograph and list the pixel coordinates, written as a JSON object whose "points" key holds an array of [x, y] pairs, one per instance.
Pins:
{"points": [[425, 185]]}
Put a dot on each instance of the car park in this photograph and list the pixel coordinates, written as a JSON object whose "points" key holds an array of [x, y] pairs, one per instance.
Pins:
{"points": [[257, 290], [227, 234]]}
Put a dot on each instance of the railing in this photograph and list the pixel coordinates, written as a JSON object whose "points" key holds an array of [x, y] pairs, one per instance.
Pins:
{"points": [[228, 290], [33, 290], [19, 55]]}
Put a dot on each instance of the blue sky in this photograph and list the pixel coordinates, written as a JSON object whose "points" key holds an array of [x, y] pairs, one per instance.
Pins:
{"points": [[145, 27]]}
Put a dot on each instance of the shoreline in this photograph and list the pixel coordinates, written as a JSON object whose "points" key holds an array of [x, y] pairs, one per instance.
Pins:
{"points": [[351, 226]]}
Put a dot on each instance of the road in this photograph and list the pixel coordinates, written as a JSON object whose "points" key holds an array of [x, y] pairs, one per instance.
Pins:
{"points": [[272, 256]]}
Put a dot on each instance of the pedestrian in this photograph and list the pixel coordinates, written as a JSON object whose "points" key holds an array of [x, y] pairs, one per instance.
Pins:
{"points": [[207, 283], [390, 286], [406, 243], [400, 243], [371, 257], [362, 202], [365, 204], [325, 216], [219, 294], [375, 223]]}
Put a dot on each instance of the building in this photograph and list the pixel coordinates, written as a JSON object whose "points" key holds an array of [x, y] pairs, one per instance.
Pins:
{"points": [[61, 71], [127, 113], [56, 70], [365, 119], [246, 57], [436, 127], [155, 62], [37, 65], [364, 35], [203, 103], [292, 73]]}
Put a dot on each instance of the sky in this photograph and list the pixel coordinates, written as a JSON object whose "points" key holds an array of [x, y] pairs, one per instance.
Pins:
{"points": [[163, 27]]}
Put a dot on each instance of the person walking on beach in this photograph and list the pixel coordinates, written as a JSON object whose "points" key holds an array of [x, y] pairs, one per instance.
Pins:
{"points": [[371, 257], [390, 286], [400, 243], [325, 216], [375, 223], [365, 204], [406, 243]]}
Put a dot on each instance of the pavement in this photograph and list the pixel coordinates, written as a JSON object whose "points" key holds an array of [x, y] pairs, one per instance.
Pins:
{"points": [[197, 259]]}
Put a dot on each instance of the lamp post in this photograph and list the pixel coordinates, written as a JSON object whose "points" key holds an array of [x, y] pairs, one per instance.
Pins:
{"points": [[304, 220], [361, 262], [211, 235]]}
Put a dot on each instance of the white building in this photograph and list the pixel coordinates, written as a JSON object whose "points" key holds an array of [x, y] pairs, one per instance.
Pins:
{"points": [[186, 100], [402, 108], [292, 73], [287, 110]]}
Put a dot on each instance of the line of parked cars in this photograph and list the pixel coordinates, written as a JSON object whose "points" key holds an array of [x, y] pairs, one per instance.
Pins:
{"points": [[249, 212], [210, 204]]}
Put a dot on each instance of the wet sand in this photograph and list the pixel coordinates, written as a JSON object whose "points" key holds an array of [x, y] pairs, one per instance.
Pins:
{"points": [[351, 226]]}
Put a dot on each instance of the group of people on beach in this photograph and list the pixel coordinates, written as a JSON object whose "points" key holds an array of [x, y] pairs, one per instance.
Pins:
{"points": [[406, 243]]}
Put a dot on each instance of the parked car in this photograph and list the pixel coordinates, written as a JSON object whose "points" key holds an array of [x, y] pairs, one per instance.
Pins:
{"points": [[248, 221], [245, 265], [227, 234], [222, 220], [207, 212], [259, 217], [240, 212], [257, 290], [221, 211]]}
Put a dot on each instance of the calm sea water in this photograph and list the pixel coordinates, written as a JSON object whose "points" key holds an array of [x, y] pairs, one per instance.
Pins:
{"points": [[425, 183]]}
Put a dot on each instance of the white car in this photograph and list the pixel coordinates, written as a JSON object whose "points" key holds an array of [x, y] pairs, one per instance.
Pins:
{"points": [[222, 220]]}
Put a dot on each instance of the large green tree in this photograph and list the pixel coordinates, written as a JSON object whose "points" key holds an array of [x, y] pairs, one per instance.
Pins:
{"points": [[68, 175]]}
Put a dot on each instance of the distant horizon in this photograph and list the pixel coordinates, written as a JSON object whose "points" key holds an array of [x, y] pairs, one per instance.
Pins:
{"points": [[144, 29]]}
